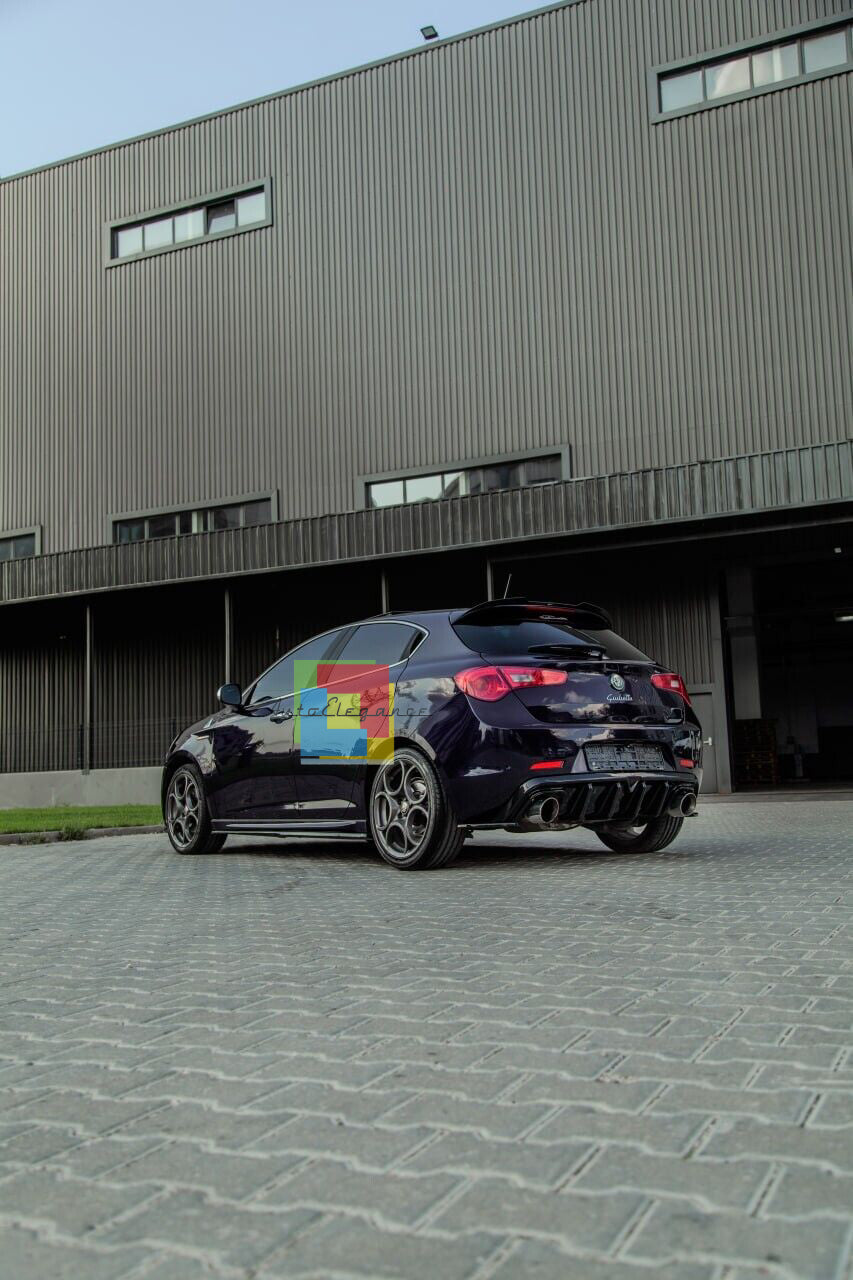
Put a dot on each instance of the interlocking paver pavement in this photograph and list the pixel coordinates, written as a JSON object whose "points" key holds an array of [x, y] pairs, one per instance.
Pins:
{"points": [[546, 1061]]}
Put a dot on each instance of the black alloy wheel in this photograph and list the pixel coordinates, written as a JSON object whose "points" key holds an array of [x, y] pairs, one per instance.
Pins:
{"points": [[187, 815], [410, 821]]}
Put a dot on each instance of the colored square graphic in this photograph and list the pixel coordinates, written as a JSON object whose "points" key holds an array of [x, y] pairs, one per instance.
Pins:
{"points": [[344, 712]]}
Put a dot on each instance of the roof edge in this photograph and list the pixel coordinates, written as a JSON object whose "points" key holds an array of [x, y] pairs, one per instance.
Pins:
{"points": [[415, 52]]}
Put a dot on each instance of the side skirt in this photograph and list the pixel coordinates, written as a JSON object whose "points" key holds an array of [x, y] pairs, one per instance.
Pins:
{"points": [[325, 829]]}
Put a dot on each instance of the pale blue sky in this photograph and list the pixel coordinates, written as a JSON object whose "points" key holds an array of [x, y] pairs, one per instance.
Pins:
{"points": [[81, 73]]}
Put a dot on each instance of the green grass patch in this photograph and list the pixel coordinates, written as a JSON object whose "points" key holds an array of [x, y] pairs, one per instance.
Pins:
{"points": [[78, 817]]}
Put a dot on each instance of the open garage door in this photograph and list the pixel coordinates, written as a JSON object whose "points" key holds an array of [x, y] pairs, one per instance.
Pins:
{"points": [[802, 734]]}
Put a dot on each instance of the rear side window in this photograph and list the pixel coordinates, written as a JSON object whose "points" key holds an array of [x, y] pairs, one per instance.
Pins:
{"points": [[279, 681], [382, 643], [517, 638]]}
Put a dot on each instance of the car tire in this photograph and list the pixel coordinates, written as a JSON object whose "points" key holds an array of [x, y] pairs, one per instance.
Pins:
{"points": [[409, 820], [187, 813], [646, 839]]}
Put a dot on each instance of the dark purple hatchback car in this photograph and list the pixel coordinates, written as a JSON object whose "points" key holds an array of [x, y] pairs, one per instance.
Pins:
{"points": [[515, 715]]}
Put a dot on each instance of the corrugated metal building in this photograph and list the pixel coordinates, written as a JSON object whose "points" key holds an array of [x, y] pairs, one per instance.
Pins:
{"points": [[567, 297]]}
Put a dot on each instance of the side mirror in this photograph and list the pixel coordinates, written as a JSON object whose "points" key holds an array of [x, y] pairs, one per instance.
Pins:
{"points": [[230, 695]]}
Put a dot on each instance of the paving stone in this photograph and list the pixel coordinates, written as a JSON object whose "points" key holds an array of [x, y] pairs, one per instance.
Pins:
{"points": [[812, 1250], [389, 1199], [34, 1144], [815, 1079], [781, 1142], [541, 1261], [235, 1236], [356, 1249], [27, 1257], [495, 1119], [809, 1192], [92, 1157], [768, 1104], [649, 1066], [229, 1129], [407, 1049], [88, 1114], [609, 1094], [348, 1074], [105, 1081], [537, 1164], [232, 1176], [710, 1183], [71, 1205], [196, 1086], [584, 1221], [177, 1268], [835, 1111], [366, 1146], [354, 1106], [663, 1133], [583, 1066]]}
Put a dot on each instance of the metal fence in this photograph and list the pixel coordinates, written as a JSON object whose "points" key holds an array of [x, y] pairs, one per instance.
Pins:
{"points": [[128, 745]]}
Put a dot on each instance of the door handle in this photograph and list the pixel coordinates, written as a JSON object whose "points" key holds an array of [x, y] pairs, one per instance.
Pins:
{"points": [[279, 717], [709, 742]]}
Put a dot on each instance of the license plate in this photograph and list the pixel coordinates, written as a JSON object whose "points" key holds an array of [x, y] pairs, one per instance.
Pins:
{"points": [[605, 758]]}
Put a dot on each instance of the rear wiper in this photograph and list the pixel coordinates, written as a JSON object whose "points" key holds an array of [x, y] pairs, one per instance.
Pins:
{"points": [[585, 650]]}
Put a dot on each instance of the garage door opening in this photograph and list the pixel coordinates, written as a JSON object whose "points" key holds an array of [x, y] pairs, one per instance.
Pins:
{"points": [[800, 634]]}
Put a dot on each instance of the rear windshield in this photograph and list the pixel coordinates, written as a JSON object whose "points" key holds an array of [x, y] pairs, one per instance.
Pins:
{"points": [[516, 638]]}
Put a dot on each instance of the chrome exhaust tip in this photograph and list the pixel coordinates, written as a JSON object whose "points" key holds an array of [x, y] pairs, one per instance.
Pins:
{"points": [[544, 813], [683, 805]]}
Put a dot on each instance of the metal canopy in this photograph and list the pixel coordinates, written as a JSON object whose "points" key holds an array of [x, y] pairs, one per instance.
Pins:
{"points": [[780, 479]]}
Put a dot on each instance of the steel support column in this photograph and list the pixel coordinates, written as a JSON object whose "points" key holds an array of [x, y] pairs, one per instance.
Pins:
{"points": [[229, 635], [721, 713], [88, 691]]}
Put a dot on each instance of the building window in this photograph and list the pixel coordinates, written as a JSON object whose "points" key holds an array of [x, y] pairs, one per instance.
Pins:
{"points": [[203, 220], [770, 64], [18, 546], [511, 474], [171, 524]]}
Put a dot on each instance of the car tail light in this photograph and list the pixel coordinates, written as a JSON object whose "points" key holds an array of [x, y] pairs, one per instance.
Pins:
{"points": [[532, 677], [486, 683], [489, 684], [673, 683], [547, 764]]}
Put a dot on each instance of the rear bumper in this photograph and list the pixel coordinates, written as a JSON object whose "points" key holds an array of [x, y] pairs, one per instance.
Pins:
{"points": [[601, 798]]}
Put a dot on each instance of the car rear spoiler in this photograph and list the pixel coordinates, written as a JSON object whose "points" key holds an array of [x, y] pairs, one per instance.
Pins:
{"points": [[576, 615]]}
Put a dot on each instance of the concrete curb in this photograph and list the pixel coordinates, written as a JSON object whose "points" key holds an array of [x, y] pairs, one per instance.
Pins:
{"points": [[62, 837]]}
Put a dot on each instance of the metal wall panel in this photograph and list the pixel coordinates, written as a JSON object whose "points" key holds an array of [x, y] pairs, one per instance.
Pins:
{"points": [[158, 660], [41, 687], [480, 247]]}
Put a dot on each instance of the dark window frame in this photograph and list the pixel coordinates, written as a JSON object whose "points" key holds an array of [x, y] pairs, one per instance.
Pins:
{"points": [[33, 531], [207, 504], [698, 62], [563, 451], [204, 202]]}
